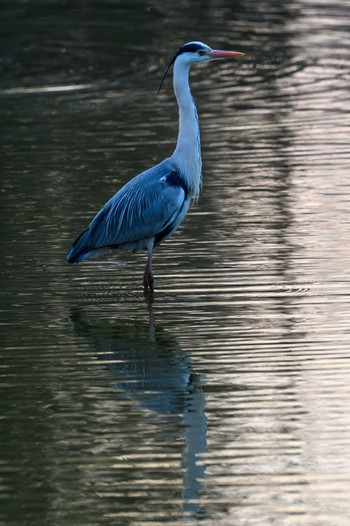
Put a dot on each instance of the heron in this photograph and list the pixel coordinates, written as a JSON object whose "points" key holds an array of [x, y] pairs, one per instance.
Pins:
{"points": [[150, 207]]}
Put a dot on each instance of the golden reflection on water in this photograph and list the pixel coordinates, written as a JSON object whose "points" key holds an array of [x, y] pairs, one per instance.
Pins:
{"points": [[44, 89]]}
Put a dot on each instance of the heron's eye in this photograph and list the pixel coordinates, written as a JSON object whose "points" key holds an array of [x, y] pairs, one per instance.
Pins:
{"points": [[201, 52]]}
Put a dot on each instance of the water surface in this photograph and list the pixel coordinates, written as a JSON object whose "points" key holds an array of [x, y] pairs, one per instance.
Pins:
{"points": [[225, 399]]}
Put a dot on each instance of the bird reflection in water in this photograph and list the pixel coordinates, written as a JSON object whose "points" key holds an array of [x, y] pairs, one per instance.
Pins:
{"points": [[148, 366]]}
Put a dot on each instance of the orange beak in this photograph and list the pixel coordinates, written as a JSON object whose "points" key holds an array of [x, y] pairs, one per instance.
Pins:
{"points": [[219, 53]]}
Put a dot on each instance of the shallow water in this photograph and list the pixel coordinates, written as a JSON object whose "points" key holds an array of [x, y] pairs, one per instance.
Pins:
{"points": [[225, 399]]}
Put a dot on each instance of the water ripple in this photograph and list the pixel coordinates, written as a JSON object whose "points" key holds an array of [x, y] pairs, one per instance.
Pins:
{"points": [[224, 398]]}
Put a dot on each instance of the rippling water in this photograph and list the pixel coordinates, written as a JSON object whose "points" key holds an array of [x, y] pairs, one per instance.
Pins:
{"points": [[226, 399]]}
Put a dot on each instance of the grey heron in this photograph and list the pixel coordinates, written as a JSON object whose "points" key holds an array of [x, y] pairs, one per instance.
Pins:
{"points": [[150, 207]]}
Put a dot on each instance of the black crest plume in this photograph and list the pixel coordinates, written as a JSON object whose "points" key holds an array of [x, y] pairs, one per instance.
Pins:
{"points": [[191, 47], [167, 70]]}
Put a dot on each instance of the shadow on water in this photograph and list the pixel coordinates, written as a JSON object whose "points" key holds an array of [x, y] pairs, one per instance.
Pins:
{"points": [[147, 366]]}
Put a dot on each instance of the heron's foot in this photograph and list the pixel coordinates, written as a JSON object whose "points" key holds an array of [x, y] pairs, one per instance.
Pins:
{"points": [[148, 282]]}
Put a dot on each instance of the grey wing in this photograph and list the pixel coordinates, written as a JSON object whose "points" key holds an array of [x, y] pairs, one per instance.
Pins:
{"points": [[150, 205]]}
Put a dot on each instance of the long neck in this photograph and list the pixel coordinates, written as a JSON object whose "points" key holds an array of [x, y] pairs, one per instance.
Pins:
{"points": [[187, 153]]}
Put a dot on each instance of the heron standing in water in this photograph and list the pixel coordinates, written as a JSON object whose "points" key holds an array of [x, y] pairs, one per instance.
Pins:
{"points": [[150, 207]]}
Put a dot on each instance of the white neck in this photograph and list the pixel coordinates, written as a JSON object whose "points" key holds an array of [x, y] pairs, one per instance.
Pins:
{"points": [[187, 153]]}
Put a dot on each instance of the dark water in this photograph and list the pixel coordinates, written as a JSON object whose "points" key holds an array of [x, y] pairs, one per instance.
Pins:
{"points": [[226, 401]]}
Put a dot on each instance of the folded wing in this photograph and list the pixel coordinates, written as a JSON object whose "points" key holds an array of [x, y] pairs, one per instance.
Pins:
{"points": [[148, 208]]}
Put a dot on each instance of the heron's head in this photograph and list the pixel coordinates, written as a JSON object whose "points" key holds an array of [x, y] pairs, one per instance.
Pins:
{"points": [[194, 52]]}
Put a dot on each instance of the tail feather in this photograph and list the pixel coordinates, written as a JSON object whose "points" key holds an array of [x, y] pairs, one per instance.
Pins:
{"points": [[83, 248], [79, 249]]}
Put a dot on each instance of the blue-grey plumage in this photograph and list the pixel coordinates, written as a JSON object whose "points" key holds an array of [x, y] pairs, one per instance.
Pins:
{"points": [[150, 207]]}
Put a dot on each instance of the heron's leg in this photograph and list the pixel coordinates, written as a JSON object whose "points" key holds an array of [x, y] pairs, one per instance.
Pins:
{"points": [[148, 281]]}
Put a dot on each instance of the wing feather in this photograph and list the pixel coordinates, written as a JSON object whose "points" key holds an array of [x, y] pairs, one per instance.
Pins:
{"points": [[146, 206]]}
